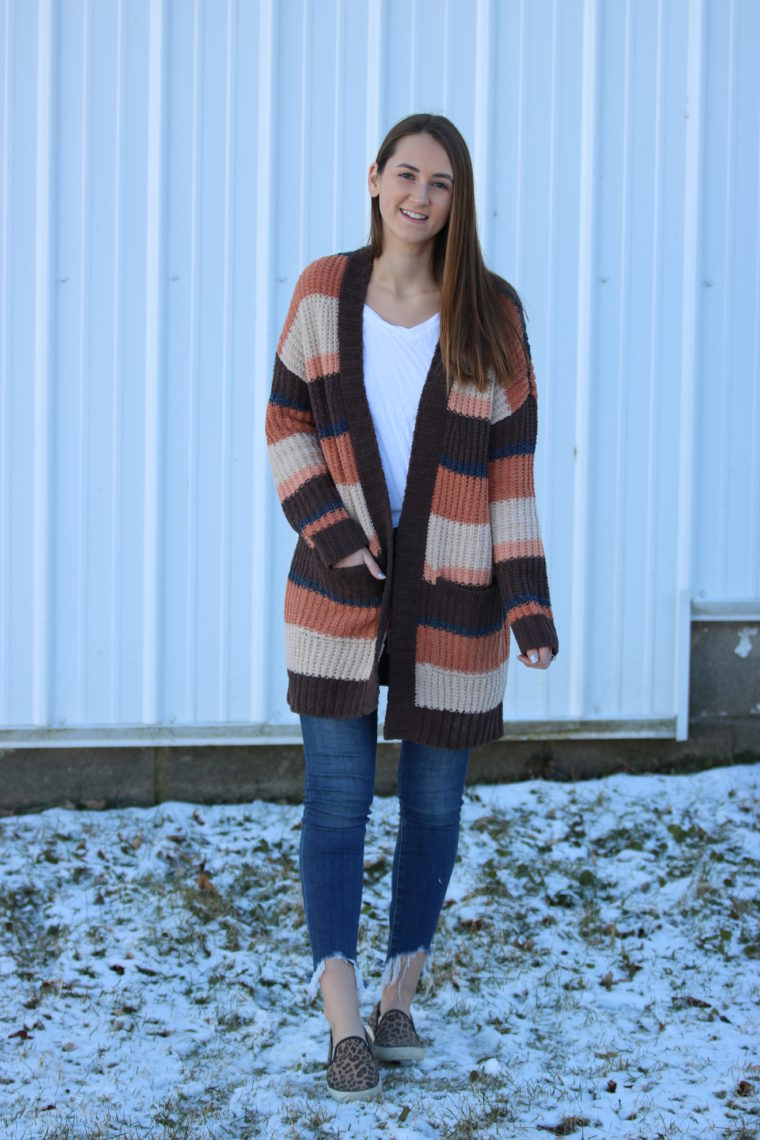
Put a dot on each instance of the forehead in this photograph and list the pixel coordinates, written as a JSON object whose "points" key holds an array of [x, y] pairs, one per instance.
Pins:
{"points": [[424, 152]]}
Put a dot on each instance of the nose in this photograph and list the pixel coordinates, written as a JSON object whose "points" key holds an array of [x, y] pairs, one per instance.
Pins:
{"points": [[421, 193]]}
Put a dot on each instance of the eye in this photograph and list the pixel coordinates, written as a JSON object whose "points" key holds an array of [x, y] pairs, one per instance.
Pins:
{"points": [[441, 185], [406, 174]]}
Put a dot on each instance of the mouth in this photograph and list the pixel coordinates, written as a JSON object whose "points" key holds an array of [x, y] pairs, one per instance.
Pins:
{"points": [[413, 217]]}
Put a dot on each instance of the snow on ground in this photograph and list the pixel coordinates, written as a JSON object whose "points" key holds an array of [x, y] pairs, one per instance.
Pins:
{"points": [[595, 971]]}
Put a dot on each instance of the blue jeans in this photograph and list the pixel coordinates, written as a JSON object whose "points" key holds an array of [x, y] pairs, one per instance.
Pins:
{"points": [[339, 787]]}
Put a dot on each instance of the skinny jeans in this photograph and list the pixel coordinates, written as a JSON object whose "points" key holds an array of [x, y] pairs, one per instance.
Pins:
{"points": [[339, 788]]}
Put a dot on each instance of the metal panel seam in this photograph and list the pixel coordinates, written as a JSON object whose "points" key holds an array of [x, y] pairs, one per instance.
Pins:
{"points": [[261, 678], [691, 256], [150, 646], [583, 361], [42, 305]]}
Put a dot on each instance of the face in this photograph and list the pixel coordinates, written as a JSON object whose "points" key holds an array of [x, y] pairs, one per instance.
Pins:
{"points": [[414, 190]]}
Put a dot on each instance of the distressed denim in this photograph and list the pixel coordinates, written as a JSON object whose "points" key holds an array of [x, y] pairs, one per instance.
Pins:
{"points": [[339, 787]]}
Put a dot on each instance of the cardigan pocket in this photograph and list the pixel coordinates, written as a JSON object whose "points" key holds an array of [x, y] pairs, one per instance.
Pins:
{"points": [[343, 603], [353, 584], [462, 628]]}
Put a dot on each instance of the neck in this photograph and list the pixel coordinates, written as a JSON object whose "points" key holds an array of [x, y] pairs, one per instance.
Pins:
{"points": [[405, 271]]}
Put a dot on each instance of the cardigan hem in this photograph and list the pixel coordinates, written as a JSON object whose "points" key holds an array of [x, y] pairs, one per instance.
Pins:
{"points": [[438, 729], [336, 699]]}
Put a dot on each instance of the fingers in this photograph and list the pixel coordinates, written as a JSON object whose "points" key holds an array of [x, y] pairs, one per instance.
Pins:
{"points": [[537, 658], [372, 565], [356, 558]]}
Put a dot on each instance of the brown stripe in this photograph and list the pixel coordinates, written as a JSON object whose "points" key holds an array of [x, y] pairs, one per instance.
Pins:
{"points": [[449, 730], [401, 715], [343, 698]]}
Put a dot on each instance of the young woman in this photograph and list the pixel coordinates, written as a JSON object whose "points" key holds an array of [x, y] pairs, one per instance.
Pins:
{"points": [[401, 430]]}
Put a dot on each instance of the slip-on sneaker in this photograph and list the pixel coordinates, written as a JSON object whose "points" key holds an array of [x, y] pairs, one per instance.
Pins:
{"points": [[352, 1072], [394, 1037]]}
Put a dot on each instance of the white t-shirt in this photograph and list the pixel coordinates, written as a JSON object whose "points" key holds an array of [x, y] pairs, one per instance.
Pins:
{"points": [[396, 363]]}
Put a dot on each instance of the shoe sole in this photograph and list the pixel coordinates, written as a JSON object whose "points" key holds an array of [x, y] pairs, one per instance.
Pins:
{"points": [[399, 1052], [345, 1095]]}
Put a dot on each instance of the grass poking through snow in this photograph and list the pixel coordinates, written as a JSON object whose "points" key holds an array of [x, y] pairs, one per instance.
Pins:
{"points": [[595, 972]]}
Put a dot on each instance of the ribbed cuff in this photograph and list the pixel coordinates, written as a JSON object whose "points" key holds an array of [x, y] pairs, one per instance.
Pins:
{"points": [[535, 631], [338, 540]]}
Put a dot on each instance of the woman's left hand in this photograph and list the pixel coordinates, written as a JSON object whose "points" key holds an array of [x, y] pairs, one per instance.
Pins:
{"points": [[537, 658]]}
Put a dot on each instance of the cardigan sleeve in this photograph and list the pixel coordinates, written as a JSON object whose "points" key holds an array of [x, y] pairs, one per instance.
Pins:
{"points": [[305, 485], [518, 552]]}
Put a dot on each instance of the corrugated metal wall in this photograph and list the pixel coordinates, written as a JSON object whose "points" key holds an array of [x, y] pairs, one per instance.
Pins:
{"points": [[167, 170]]}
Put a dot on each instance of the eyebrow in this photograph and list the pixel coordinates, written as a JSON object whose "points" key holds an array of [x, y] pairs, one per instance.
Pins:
{"points": [[416, 169]]}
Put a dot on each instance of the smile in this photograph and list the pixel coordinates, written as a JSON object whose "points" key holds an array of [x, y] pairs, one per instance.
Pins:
{"points": [[414, 217]]}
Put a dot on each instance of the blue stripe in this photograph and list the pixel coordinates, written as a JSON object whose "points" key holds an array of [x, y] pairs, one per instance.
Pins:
{"points": [[325, 510], [324, 431], [521, 600], [464, 631], [362, 603], [524, 447], [438, 623], [479, 470], [281, 401]]}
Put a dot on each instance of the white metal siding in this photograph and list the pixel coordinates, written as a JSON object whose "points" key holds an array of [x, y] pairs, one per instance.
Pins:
{"points": [[727, 451], [168, 169]]}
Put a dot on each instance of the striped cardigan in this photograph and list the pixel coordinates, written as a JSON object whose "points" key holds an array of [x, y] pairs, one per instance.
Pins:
{"points": [[468, 563]]}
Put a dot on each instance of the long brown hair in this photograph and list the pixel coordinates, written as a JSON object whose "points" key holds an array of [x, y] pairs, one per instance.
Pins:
{"points": [[473, 311]]}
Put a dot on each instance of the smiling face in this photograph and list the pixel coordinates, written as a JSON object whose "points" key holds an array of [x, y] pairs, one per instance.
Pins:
{"points": [[414, 190]]}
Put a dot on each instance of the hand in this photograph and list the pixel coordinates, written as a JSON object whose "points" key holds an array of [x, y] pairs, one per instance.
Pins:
{"points": [[356, 559], [537, 658]]}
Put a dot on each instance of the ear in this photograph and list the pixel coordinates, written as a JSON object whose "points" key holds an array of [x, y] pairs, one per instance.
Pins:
{"points": [[372, 183]]}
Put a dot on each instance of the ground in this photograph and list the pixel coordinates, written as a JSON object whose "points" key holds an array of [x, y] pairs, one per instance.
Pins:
{"points": [[595, 972]]}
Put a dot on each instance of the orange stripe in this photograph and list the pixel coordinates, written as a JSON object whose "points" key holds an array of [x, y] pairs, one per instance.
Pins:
{"points": [[289, 486], [460, 498], [464, 654], [462, 574], [529, 548], [280, 425], [325, 521], [313, 611], [340, 458], [324, 277], [326, 364], [511, 478], [466, 404], [529, 609]]}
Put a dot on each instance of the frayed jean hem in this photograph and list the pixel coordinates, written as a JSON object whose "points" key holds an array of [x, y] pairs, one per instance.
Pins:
{"points": [[319, 970], [396, 967]]}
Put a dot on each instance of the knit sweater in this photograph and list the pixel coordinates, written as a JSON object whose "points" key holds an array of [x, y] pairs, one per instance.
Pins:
{"points": [[469, 561]]}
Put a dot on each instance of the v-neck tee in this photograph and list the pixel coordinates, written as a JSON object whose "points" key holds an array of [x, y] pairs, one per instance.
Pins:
{"points": [[396, 363]]}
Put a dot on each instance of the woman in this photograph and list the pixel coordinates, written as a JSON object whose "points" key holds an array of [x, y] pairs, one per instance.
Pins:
{"points": [[401, 429]]}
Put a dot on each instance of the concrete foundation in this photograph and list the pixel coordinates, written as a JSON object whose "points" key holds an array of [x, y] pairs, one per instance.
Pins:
{"points": [[724, 729]]}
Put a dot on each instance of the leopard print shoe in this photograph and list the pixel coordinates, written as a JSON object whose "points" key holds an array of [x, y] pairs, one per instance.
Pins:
{"points": [[394, 1037], [352, 1072]]}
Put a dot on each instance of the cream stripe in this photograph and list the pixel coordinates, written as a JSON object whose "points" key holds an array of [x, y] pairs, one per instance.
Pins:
{"points": [[314, 332], [356, 505], [293, 454], [514, 520], [458, 544], [449, 691], [501, 408], [322, 655], [468, 401]]}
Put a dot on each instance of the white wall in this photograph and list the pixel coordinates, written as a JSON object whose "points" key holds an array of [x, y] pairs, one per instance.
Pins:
{"points": [[167, 170]]}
